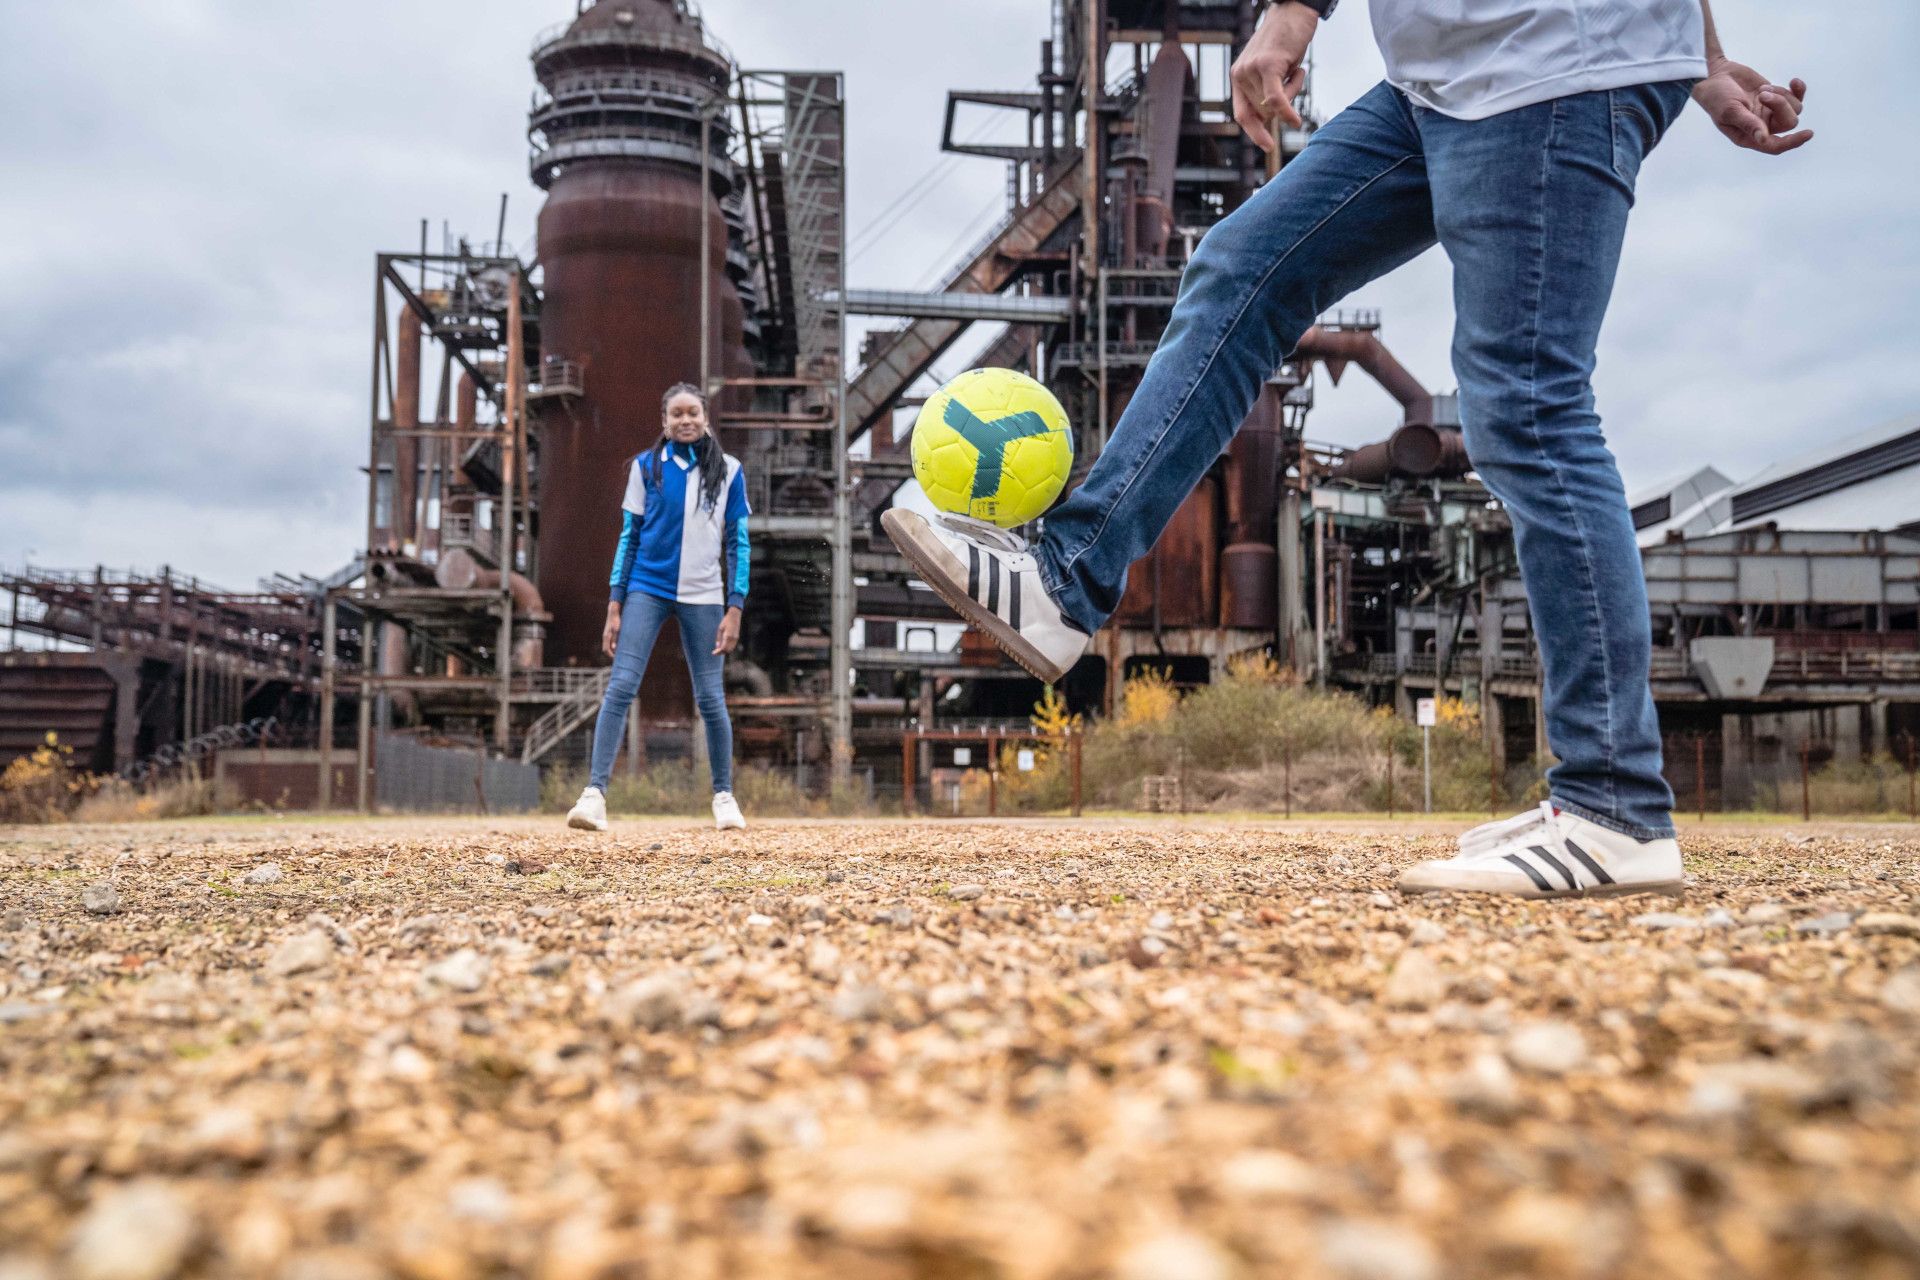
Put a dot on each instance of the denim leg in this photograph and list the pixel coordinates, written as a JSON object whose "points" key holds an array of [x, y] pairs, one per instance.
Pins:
{"points": [[640, 621], [1350, 208], [1531, 207], [699, 624]]}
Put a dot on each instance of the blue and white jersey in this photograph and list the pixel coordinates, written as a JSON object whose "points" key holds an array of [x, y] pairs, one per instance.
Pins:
{"points": [[671, 544]]}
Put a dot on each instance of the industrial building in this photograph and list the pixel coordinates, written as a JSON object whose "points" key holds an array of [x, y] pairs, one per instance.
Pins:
{"points": [[507, 392]]}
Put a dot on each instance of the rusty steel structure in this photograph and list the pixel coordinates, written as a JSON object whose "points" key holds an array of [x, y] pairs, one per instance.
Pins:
{"points": [[121, 665]]}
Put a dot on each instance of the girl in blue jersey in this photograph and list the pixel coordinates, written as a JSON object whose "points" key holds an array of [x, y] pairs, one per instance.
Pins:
{"points": [[682, 554]]}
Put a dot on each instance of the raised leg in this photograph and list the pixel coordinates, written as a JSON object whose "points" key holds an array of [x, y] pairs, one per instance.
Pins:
{"points": [[1349, 209]]}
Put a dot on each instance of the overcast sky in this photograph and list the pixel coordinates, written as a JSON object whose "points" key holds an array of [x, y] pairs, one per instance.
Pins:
{"points": [[192, 192]]}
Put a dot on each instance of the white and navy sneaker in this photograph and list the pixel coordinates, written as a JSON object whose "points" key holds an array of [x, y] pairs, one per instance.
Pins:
{"points": [[726, 813], [589, 812], [1550, 854], [988, 577]]}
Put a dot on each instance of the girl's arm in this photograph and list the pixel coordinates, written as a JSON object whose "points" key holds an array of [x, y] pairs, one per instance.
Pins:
{"points": [[736, 554], [632, 507]]}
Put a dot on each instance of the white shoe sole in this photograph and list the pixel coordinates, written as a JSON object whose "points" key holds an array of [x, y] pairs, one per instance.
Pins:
{"points": [[729, 826], [580, 822], [924, 552], [1670, 888]]}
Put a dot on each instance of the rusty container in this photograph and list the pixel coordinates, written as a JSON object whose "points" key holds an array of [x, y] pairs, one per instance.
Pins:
{"points": [[1249, 564], [1176, 584], [616, 136]]}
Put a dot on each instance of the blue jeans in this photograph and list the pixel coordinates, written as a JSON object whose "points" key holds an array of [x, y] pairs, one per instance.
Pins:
{"points": [[640, 621], [1531, 207]]}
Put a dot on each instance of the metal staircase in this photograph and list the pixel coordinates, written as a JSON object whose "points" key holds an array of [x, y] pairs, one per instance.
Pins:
{"points": [[563, 717], [994, 265]]}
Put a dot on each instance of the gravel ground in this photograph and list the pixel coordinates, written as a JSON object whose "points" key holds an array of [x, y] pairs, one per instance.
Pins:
{"points": [[1154, 1051]]}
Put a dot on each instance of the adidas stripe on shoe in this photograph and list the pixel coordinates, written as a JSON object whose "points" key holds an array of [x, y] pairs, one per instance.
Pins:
{"points": [[988, 577]]}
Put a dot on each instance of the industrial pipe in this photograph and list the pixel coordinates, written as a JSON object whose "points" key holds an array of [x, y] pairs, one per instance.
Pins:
{"points": [[1337, 348], [459, 571], [1417, 449], [406, 417]]}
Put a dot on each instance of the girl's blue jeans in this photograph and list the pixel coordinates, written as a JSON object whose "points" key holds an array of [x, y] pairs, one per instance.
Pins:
{"points": [[641, 618]]}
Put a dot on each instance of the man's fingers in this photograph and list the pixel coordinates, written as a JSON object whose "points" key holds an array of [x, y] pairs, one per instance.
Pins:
{"points": [[1279, 87], [1782, 109], [1285, 92], [1790, 142], [1249, 118], [1799, 88], [1739, 122]]}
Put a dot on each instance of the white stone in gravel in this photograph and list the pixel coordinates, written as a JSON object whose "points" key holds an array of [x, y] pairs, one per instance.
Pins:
{"points": [[859, 1004], [1547, 1048], [755, 920], [966, 892], [1764, 913], [1358, 1249], [1260, 1175], [653, 1003], [1178, 1255], [1901, 993], [140, 1231], [20, 1266], [1425, 933], [464, 970], [1667, 920], [101, 899], [1381, 900], [480, 1200], [302, 953], [265, 873], [823, 961], [550, 966], [1832, 922], [1415, 983], [1719, 918], [1485, 1087], [1888, 924]]}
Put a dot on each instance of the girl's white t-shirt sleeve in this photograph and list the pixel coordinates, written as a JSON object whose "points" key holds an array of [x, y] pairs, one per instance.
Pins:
{"points": [[636, 499]]}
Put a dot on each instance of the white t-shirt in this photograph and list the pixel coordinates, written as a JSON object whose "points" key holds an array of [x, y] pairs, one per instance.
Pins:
{"points": [[1475, 58]]}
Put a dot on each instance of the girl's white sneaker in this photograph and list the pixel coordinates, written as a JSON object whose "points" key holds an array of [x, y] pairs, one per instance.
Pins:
{"points": [[726, 812], [1554, 855], [589, 812]]}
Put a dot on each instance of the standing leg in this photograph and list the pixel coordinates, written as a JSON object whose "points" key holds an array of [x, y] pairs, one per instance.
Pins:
{"points": [[640, 621], [699, 623], [1353, 206], [1531, 206]]}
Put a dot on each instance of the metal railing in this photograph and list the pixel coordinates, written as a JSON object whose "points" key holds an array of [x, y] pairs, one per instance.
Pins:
{"points": [[573, 710]]}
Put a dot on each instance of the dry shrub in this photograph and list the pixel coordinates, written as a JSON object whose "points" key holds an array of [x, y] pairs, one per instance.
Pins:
{"points": [[1871, 785], [1234, 742], [43, 786], [187, 796]]}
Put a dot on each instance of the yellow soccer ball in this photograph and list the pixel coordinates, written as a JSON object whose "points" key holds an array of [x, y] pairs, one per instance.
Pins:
{"points": [[993, 444]]}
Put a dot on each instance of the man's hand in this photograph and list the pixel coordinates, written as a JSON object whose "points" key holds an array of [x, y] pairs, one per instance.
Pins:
{"points": [[1271, 70], [1751, 112], [610, 634], [728, 635]]}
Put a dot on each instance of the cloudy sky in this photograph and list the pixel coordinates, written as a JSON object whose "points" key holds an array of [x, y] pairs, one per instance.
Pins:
{"points": [[192, 191]]}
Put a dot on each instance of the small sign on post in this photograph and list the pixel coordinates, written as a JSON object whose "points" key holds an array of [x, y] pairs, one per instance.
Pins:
{"points": [[1426, 715], [962, 756], [1025, 759]]}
